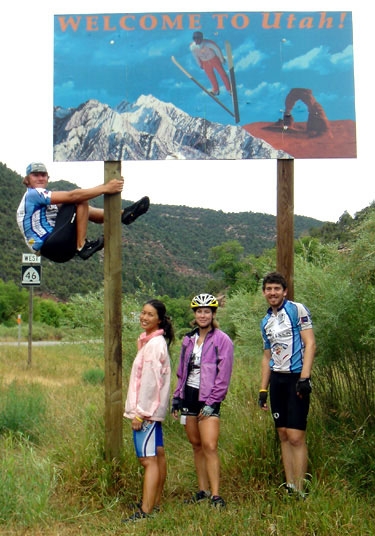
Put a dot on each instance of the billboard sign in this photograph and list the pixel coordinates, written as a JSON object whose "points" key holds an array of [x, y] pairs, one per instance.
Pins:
{"points": [[218, 85]]}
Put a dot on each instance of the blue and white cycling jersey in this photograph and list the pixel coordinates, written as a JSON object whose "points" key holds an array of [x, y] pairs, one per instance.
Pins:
{"points": [[36, 217], [281, 334]]}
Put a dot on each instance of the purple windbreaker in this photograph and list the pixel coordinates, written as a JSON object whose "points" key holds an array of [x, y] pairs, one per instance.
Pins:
{"points": [[216, 366]]}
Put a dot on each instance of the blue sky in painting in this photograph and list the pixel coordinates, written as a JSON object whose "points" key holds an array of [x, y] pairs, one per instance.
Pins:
{"points": [[272, 54]]}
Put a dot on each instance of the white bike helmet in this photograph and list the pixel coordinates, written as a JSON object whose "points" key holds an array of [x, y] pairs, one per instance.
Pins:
{"points": [[204, 300]]}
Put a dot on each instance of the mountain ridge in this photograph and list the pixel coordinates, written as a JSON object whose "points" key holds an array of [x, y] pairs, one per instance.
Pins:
{"points": [[166, 249], [149, 129]]}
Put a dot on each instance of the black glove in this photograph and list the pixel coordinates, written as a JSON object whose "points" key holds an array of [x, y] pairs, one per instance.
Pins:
{"points": [[262, 400], [303, 387], [176, 405]]}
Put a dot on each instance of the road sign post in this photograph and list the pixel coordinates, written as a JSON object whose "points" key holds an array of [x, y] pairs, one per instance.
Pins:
{"points": [[19, 322], [31, 275]]}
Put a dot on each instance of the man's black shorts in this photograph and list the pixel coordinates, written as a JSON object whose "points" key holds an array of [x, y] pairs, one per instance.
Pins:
{"points": [[288, 410], [61, 245]]}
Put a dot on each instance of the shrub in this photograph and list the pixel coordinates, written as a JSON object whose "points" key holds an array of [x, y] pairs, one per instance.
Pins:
{"points": [[93, 376], [22, 410]]}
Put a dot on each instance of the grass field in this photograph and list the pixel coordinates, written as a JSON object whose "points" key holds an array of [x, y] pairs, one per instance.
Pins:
{"points": [[54, 479]]}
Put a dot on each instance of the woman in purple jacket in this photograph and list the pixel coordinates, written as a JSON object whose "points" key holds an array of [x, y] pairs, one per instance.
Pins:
{"points": [[204, 373]]}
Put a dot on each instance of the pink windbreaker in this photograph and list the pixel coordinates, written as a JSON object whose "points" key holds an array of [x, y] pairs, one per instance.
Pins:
{"points": [[150, 377]]}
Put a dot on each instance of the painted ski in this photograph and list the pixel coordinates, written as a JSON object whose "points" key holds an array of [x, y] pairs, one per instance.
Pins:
{"points": [[201, 86], [228, 49]]}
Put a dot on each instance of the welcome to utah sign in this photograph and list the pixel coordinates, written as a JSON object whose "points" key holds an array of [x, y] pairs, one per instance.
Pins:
{"points": [[230, 85]]}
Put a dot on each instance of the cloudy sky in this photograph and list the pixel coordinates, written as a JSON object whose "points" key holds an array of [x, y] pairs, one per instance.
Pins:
{"points": [[323, 189]]}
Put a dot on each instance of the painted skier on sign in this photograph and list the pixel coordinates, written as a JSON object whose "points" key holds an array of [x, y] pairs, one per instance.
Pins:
{"points": [[209, 57]]}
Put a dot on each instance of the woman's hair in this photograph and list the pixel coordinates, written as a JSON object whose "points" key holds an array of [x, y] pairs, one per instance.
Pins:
{"points": [[165, 321]]}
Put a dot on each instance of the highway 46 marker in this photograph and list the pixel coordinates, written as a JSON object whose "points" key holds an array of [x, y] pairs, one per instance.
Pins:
{"points": [[31, 269]]}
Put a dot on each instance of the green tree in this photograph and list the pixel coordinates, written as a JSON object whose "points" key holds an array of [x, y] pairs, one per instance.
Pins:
{"points": [[178, 309], [13, 301], [48, 312], [227, 261], [312, 250]]}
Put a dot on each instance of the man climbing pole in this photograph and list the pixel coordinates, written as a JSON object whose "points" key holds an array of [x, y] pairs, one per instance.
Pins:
{"points": [[54, 223]]}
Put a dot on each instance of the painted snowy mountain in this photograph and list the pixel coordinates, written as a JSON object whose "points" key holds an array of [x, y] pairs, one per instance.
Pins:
{"points": [[149, 129]]}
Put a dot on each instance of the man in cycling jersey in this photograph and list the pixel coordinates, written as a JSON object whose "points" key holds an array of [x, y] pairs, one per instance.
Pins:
{"points": [[289, 350], [54, 223]]}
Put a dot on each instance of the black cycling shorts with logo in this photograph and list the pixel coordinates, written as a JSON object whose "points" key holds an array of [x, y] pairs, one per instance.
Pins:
{"points": [[192, 406], [288, 410]]}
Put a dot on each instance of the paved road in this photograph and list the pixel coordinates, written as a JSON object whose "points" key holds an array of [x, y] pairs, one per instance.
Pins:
{"points": [[47, 343]]}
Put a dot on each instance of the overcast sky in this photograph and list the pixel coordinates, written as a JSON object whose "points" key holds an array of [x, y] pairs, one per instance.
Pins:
{"points": [[323, 189]]}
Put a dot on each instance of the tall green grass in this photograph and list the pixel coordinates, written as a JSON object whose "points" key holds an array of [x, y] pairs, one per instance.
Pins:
{"points": [[27, 482], [54, 479]]}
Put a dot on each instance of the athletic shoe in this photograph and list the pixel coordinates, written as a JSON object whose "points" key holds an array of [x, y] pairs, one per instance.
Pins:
{"points": [[217, 501], [135, 505], [214, 93], [138, 506], [290, 488], [90, 248], [135, 210], [199, 496], [137, 516], [292, 491]]}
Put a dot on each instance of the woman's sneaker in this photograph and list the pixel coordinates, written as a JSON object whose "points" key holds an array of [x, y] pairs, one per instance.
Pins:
{"points": [[137, 516], [199, 496], [138, 506], [217, 501]]}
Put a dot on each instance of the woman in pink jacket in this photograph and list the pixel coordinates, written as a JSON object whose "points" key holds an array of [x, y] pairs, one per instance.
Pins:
{"points": [[148, 400], [204, 374]]}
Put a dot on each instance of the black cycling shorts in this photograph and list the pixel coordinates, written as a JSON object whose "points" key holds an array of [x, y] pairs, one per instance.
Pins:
{"points": [[192, 406], [61, 245], [288, 410]]}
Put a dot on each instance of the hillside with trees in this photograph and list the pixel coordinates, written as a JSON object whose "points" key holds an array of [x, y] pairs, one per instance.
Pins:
{"points": [[165, 249]]}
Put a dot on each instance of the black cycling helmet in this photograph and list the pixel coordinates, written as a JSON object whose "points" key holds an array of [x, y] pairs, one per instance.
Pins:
{"points": [[204, 300]]}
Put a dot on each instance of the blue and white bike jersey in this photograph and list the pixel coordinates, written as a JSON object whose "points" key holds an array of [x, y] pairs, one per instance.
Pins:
{"points": [[281, 334], [36, 217]]}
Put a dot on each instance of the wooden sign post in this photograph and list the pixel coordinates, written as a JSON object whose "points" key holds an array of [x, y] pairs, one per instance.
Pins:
{"points": [[113, 317], [285, 222]]}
